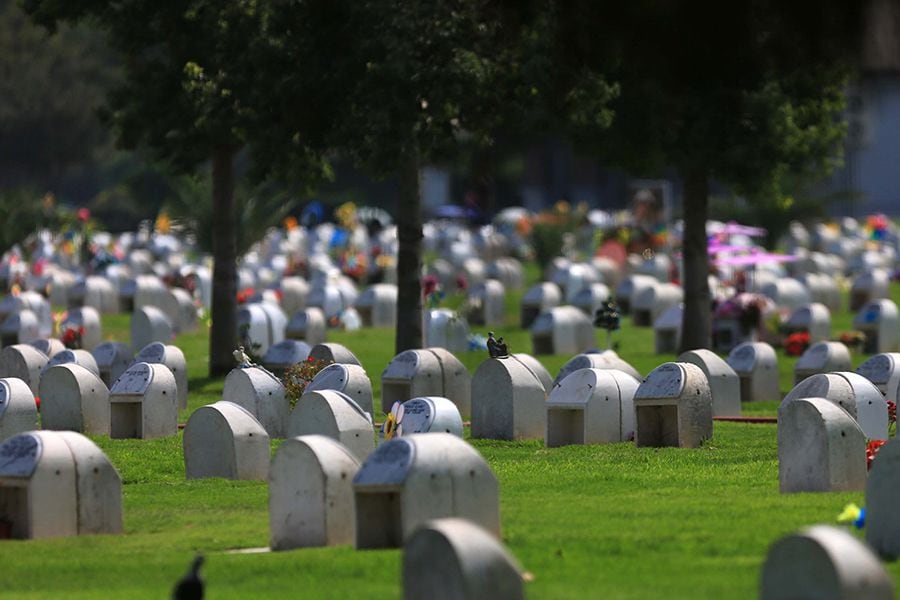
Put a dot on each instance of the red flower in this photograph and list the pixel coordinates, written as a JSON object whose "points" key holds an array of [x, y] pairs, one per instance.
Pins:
{"points": [[83, 214], [429, 285], [461, 282], [37, 402], [796, 343], [872, 449], [245, 294], [892, 411]]}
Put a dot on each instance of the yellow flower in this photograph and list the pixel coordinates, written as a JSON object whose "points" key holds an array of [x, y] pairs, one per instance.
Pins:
{"points": [[163, 223]]}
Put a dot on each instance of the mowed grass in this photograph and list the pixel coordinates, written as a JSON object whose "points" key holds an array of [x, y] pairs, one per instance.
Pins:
{"points": [[611, 521]]}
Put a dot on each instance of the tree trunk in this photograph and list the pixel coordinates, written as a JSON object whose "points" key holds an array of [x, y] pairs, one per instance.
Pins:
{"points": [[409, 258], [696, 319], [223, 334]]}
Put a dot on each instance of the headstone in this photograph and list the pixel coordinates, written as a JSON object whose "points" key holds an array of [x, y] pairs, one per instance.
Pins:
{"points": [[822, 357], [508, 271], [173, 358], [539, 298], [18, 411], [285, 354], [49, 346], [591, 298], [608, 359], [377, 305], [652, 301], [87, 318], [591, 406], [294, 291], [507, 401], [79, 357], [757, 366], [878, 320], [788, 294], [307, 324], [456, 382], [820, 448], [56, 484], [854, 393], [96, 292], [262, 394], [868, 287], [826, 563], [456, 559], [410, 480], [882, 500], [75, 399], [529, 362], [884, 371], [311, 493], [19, 328], [445, 328], [673, 407], [335, 415], [411, 374], [23, 362], [336, 353], [429, 414], [143, 403], [667, 330], [349, 379], [724, 383], [179, 307], [253, 328], [814, 319], [149, 324], [225, 440], [562, 330], [631, 287], [113, 358], [488, 301]]}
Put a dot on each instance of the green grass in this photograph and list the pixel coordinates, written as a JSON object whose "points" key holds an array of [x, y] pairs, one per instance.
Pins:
{"points": [[611, 521]]}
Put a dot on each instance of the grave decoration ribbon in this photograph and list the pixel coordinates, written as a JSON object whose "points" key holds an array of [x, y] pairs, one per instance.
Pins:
{"points": [[853, 515]]}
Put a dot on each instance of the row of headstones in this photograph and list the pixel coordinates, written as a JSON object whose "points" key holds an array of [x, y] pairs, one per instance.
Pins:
{"points": [[74, 393]]}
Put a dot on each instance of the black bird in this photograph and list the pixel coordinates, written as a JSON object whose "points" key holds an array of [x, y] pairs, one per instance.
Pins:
{"points": [[190, 587]]}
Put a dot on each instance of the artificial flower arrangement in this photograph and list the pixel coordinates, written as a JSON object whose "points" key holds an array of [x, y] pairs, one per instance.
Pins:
{"points": [[298, 376], [796, 343]]}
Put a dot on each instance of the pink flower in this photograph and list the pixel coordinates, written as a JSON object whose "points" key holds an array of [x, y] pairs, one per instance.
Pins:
{"points": [[83, 214]]}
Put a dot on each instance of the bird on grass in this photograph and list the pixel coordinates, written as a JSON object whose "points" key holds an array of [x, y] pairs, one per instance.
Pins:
{"points": [[190, 587]]}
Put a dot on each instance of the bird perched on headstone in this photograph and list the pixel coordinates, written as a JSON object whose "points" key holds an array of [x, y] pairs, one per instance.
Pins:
{"points": [[190, 587], [241, 358], [496, 347]]}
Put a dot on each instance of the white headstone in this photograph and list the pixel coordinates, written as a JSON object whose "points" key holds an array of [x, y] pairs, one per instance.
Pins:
{"points": [[23, 362], [377, 305], [879, 321], [820, 448], [49, 346], [724, 383], [285, 354], [149, 324], [112, 359], [73, 398], [18, 411], [539, 298], [826, 563], [58, 483], [311, 493], [673, 407], [350, 379], [562, 330], [144, 403], [87, 320], [507, 401], [454, 558], [428, 414], [225, 440], [814, 319], [410, 480], [591, 406], [822, 357], [336, 353], [757, 367], [884, 371], [173, 358], [307, 324], [262, 394], [335, 415]]}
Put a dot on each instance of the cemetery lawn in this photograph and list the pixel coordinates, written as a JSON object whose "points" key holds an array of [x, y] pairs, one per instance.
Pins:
{"points": [[611, 521]]}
